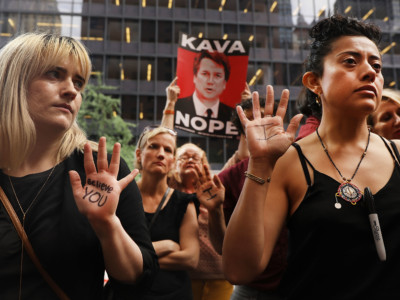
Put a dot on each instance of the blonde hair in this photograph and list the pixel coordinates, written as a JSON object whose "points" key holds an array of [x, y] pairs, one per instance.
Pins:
{"points": [[387, 95], [392, 95], [148, 133], [21, 60]]}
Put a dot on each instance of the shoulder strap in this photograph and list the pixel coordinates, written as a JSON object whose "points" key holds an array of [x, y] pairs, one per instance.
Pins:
{"points": [[28, 247], [395, 155], [159, 208], [304, 162], [396, 151]]}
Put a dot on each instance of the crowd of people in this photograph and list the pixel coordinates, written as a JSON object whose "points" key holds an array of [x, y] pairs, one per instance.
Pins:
{"points": [[289, 216]]}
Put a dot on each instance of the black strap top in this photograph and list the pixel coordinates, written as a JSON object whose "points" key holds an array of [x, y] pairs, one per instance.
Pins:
{"points": [[332, 253]]}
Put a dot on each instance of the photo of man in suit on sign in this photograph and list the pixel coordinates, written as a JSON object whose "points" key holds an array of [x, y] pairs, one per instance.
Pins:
{"points": [[211, 72]]}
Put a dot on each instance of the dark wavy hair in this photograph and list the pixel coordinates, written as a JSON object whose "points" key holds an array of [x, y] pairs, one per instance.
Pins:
{"points": [[324, 33], [245, 104], [217, 57]]}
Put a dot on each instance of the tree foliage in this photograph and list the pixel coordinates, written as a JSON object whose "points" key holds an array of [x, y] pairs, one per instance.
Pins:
{"points": [[100, 116]]}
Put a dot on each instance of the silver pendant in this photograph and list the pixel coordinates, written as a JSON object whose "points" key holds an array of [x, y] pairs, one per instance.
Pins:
{"points": [[349, 192]]}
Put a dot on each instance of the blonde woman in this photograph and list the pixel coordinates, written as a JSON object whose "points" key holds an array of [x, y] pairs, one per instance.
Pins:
{"points": [[77, 232], [208, 280], [385, 120], [171, 215]]}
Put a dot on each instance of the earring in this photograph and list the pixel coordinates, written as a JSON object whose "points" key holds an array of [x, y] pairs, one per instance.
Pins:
{"points": [[318, 100]]}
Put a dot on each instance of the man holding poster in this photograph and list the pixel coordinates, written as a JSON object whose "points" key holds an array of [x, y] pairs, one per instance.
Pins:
{"points": [[211, 76]]}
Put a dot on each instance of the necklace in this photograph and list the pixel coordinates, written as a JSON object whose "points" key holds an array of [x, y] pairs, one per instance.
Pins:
{"points": [[24, 213], [347, 191]]}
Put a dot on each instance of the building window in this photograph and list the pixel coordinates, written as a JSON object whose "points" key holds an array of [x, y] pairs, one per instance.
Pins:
{"points": [[148, 33], [113, 67], [114, 30], [164, 69]]}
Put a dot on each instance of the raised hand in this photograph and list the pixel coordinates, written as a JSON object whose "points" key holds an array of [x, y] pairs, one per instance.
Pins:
{"points": [[209, 191], [98, 198], [266, 136], [173, 91]]}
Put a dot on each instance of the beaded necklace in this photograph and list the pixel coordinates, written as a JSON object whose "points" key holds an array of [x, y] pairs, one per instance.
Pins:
{"points": [[24, 213], [347, 191]]}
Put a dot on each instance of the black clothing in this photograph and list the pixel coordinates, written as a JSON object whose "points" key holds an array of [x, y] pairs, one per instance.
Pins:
{"points": [[332, 254], [63, 238], [169, 284], [186, 105]]}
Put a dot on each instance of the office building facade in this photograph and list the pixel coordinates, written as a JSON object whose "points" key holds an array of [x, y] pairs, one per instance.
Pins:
{"points": [[133, 44]]}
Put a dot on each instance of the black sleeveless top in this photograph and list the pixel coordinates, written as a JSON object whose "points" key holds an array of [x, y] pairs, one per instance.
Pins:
{"points": [[332, 253]]}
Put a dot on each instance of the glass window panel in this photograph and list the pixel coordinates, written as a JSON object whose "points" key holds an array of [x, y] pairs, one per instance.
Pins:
{"points": [[164, 3], [38, 22], [245, 5], [131, 2], [128, 107], [130, 68], [181, 3], [85, 27], [8, 24], [280, 74], [296, 74], [198, 4], [299, 38], [113, 67], [148, 3], [114, 2], [381, 9], [148, 31], [246, 33], [231, 31], [213, 4], [266, 75], [323, 9], [147, 69], [114, 30], [97, 28], [388, 74], [367, 10], [97, 65], [217, 155], [165, 32], [281, 37], [131, 31], [251, 71], [198, 28], [214, 31], [164, 69], [230, 5], [260, 6], [160, 107], [146, 108], [180, 27], [261, 37]]}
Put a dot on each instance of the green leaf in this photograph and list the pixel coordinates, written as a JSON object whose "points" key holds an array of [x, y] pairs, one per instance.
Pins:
{"points": [[100, 116]]}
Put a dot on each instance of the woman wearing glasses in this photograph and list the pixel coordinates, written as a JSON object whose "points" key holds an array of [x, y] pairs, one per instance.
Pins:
{"points": [[171, 215], [192, 176]]}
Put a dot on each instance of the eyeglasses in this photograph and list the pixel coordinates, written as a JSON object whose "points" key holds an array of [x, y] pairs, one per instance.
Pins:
{"points": [[195, 159], [149, 128]]}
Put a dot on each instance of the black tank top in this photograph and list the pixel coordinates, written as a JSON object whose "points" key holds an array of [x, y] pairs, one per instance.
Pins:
{"points": [[332, 253]]}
